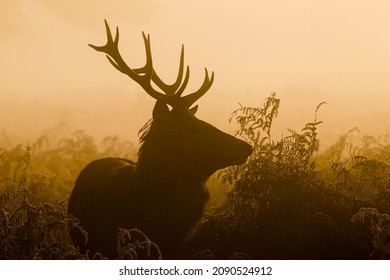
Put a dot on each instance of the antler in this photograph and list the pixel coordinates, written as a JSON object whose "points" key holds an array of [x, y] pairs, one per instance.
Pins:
{"points": [[145, 75]]}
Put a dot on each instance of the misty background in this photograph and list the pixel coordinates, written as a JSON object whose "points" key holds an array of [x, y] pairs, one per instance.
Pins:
{"points": [[307, 52]]}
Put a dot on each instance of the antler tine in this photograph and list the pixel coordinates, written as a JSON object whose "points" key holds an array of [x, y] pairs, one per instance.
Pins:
{"points": [[148, 68], [190, 99], [112, 53], [169, 90], [111, 50], [180, 91]]}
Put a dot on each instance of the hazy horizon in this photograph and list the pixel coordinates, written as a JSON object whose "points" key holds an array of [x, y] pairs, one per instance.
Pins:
{"points": [[305, 51]]}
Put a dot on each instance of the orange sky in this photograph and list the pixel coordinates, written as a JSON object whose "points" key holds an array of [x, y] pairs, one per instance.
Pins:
{"points": [[306, 51]]}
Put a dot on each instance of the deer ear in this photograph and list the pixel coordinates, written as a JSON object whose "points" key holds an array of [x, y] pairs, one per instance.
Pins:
{"points": [[193, 110], [160, 111]]}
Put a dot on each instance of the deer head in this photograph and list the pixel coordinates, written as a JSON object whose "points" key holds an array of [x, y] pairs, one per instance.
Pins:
{"points": [[202, 145]]}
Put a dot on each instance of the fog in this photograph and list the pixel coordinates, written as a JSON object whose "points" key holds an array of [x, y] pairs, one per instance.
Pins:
{"points": [[305, 51]]}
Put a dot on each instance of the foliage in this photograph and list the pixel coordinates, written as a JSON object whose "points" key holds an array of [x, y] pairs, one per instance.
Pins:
{"points": [[133, 244], [35, 183], [34, 231], [50, 172], [379, 225], [280, 199], [365, 170]]}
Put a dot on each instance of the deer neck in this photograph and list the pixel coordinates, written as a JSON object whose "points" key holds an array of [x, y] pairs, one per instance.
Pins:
{"points": [[153, 172]]}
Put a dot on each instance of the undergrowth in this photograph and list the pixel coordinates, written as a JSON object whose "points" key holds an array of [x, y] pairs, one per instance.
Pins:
{"points": [[35, 183], [283, 207]]}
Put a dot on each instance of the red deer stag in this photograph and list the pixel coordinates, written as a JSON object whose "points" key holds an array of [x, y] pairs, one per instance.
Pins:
{"points": [[164, 193]]}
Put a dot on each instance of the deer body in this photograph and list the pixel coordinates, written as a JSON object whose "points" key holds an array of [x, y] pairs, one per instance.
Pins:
{"points": [[164, 193]]}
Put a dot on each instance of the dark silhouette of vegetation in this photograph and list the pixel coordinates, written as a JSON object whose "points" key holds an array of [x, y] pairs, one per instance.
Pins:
{"points": [[35, 182], [164, 193], [283, 207]]}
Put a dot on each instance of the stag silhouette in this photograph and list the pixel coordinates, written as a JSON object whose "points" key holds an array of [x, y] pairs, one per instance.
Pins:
{"points": [[164, 193]]}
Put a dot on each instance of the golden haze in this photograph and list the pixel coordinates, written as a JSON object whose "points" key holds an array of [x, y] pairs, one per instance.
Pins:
{"points": [[306, 51]]}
